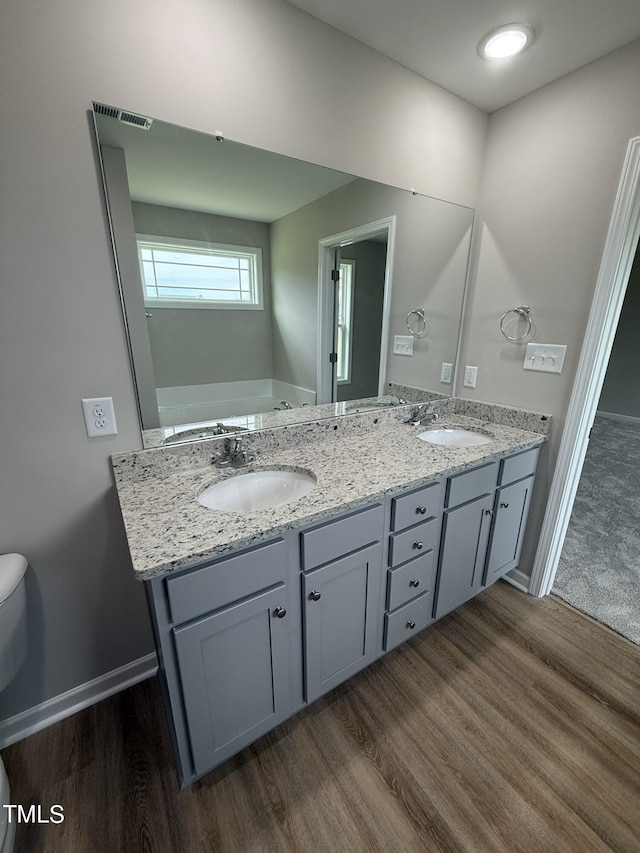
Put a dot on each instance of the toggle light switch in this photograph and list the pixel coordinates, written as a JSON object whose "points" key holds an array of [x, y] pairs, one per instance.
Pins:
{"points": [[547, 358], [403, 344]]}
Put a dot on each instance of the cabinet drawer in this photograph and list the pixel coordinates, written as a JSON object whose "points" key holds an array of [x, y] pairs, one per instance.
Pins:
{"points": [[413, 542], [405, 622], [472, 484], [414, 507], [334, 539], [410, 580], [518, 466], [227, 580]]}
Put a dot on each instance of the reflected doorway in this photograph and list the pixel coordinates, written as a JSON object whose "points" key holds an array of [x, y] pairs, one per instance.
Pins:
{"points": [[355, 283]]}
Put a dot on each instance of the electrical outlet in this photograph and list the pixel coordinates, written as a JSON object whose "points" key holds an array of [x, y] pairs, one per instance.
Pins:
{"points": [[99, 416], [470, 376], [446, 373]]}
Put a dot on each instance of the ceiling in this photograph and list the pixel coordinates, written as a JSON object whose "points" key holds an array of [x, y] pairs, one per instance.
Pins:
{"points": [[177, 167], [438, 39]]}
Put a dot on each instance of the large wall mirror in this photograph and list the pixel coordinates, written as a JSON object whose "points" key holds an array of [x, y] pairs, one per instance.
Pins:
{"points": [[255, 283]]}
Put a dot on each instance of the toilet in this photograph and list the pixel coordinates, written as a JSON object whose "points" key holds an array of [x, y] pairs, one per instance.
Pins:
{"points": [[13, 649]]}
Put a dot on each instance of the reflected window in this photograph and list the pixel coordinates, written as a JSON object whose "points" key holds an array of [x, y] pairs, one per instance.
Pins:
{"points": [[344, 342], [190, 274]]}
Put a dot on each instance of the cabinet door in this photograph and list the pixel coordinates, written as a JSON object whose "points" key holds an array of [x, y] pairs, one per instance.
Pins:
{"points": [[341, 606], [465, 538], [509, 522], [234, 671]]}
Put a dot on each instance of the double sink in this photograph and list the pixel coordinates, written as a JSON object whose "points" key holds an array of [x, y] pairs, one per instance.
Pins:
{"points": [[270, 488]]}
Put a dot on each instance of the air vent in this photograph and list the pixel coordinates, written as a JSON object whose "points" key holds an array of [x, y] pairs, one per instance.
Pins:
{"points": [[125, 117]]}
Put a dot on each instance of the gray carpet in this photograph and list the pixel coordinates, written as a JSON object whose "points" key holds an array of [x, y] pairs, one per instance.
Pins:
{"points": [[599, 570]]}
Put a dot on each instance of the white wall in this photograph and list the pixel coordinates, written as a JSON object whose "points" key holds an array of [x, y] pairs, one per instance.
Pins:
{"points": [[553, 165], [265, 74]]}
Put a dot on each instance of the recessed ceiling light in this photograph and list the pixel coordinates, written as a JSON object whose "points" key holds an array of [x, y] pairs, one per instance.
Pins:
{"points": [[506, 41]]}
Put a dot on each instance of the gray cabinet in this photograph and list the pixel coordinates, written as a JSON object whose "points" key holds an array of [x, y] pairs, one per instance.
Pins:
{"points": [[484, 522], [245, 640], [465, 537], [341, 597], [234, 671], [413, 557], [511, 510], [228, 635], [339, 617]]}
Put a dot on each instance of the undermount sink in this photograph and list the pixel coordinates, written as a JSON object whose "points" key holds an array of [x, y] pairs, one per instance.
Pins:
{"points": [[454, 437], [257, 490]]}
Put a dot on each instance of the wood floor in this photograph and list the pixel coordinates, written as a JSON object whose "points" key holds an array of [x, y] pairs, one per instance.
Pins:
{"points": [[511, 725]]}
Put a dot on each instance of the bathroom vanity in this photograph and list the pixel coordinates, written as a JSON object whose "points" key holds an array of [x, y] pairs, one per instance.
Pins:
{"points": [[258, 614]]}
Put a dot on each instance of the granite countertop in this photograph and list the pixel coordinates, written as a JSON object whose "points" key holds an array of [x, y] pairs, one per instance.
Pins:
{"points": [[355, 460]]}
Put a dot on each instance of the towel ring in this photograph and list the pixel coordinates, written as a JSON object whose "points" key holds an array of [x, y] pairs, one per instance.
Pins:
{"points": [[521, 311], [416, 327]]}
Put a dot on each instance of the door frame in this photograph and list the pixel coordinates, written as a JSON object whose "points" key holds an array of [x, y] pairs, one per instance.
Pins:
{"points": [[326, 247], [615, 269]]}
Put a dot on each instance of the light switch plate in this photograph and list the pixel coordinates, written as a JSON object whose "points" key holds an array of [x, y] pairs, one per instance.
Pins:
{"points": [[547, 358], [403, 344]]}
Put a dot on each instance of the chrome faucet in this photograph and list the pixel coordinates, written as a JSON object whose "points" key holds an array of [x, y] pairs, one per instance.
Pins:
{"points": [[422, 416], [283, 405], [233, 455]]}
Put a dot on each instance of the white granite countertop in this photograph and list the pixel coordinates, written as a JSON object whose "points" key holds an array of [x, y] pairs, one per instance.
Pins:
{"points": [[355, 461]]}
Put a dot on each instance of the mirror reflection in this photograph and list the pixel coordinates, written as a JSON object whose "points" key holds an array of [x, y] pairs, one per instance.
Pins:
{"points": [[259, 289]]}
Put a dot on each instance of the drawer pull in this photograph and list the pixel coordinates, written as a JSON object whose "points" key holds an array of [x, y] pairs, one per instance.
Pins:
{"points": [[418, 546], [488, 512], [505, 504], [414, 582], [421, 510], [411, 624], [279, 612], [314, 595]]}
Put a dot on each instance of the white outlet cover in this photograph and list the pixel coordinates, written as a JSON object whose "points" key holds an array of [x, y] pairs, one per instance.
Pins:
{"points": [[446, 373], [99, 416], [470, 376]]}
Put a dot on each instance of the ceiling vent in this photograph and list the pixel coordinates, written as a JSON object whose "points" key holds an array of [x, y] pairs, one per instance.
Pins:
{"points": [[132, 119]]}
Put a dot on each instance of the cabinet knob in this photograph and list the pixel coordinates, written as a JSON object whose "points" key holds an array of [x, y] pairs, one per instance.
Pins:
{"points": [[418, 546], [414, 582], [314, 595], [411, 624], [279, 612], [421, 510], [504, 504], [488, 512]]}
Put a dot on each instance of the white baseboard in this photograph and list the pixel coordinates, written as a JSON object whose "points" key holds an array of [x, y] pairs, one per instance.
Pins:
{"points": [[518, 579], [41, 716], [614, 416]]}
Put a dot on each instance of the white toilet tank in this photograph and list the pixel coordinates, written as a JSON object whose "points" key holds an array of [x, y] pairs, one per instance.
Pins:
{"points": [[13, 616]]}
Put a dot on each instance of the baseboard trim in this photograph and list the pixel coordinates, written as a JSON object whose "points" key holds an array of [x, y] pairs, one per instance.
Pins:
{"points": [[518, 579], [614, 416], [41, 716]]}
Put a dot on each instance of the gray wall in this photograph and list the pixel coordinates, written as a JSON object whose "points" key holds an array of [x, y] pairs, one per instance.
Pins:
{"points": [[428, 270], [553, 166], [621, 390], [199, 346], [288, 84]]}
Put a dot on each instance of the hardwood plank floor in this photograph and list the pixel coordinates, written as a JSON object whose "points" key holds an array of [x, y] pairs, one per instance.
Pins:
{"points": [[511, 725]]}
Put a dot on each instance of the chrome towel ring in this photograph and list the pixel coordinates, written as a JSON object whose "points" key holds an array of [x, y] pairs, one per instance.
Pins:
{"points": [[418, 324], [523, 312]]}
